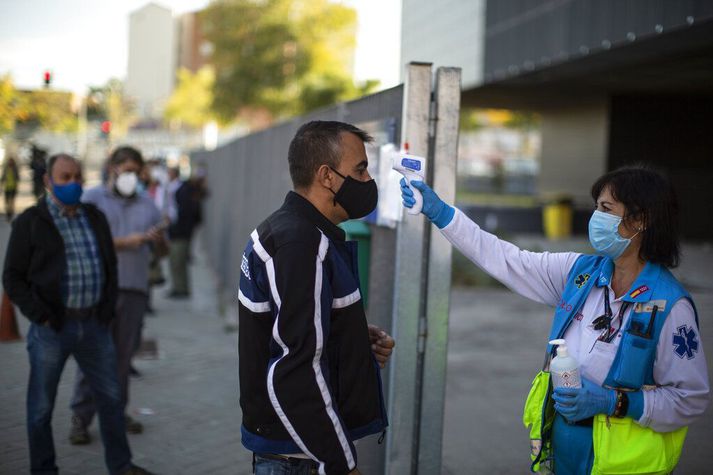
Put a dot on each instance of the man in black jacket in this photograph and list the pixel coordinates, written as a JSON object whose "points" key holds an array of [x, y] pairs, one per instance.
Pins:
{"points": [[60, 269], [309, 382], [188, 199]]}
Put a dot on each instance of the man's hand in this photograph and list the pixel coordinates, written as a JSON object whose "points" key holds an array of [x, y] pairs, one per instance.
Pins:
{"points": [[382, 345], [154, 235], [132, 241], [354, 472]]}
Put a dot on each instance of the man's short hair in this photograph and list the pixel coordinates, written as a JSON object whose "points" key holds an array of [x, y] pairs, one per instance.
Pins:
{"points": [[124, 154], [53, 159], [315, 144]]}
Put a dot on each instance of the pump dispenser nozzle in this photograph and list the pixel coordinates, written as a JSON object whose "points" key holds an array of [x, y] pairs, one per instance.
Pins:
{"points": [[561, 347]]}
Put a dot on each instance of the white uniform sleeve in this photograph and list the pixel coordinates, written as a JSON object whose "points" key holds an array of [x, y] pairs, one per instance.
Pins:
{"points": [[540, 276], [680, 373]]}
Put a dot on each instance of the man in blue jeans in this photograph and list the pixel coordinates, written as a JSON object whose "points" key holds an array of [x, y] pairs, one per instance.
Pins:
{"points": [[60, 269]]}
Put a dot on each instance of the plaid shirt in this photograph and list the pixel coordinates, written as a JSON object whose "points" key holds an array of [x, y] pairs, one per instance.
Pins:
{"points": [[83, 278]]}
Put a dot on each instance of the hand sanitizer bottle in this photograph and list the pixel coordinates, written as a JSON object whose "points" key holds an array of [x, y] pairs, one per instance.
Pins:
{"points": [[563, 368]]}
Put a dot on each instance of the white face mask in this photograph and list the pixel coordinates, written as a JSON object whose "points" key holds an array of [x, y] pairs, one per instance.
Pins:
{"points": [[159, 175], [126, 184]]}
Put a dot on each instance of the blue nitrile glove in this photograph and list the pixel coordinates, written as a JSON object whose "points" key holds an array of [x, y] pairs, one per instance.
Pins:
{"points": [[636, 405], [577, 404], [434, 208]]}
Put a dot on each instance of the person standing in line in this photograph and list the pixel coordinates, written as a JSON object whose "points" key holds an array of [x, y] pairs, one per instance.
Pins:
{"points": [[310, 381], [134, 222], [38, 166], [174, 183], [60, 269], [10, 181], [188, 199]]}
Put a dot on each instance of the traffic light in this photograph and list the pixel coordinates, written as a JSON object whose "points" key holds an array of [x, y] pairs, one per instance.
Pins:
{"points": [[47, 76], [105, 129]]}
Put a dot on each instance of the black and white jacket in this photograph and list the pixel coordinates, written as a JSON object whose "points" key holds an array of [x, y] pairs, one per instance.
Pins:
{"points": [[309, 382]]}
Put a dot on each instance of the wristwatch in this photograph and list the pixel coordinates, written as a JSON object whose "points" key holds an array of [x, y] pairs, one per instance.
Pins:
{"points": [[622, 404]]}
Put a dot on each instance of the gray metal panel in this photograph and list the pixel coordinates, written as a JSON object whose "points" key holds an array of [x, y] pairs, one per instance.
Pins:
{"points": [[443, 178], [249, 177], [401, 442], [521, 36]]}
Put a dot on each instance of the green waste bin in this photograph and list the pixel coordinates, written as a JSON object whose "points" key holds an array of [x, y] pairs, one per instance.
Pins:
{"points": [[360, 232]]}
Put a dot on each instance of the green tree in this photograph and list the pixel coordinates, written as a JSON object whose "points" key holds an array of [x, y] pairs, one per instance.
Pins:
{"points": [[282, 56], [8, 104], [120, 110], [46, 109], [191, 101]]}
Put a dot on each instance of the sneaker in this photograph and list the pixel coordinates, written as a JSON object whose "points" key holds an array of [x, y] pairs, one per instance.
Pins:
{"points": [[78, 434], [133, 427], [136, 470]]}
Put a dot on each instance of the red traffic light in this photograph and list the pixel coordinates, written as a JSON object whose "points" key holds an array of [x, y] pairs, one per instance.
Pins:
{"points": [[106, 127], [47, 78]]}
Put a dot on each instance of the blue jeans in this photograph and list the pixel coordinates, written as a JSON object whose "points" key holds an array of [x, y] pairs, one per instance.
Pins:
{"points": [[91, 345], [269, 466]]}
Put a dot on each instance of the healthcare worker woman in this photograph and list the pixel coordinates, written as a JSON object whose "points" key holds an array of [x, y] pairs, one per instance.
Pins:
{"points": [[631, 326]]}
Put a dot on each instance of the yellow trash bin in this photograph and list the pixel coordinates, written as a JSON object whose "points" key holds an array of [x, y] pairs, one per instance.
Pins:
{"points": [[557, 218]]}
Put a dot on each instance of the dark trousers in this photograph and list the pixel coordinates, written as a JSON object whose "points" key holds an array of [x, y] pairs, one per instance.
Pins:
{"points": [[267, 464], [91, 345], [178, 256], [126, 330]]}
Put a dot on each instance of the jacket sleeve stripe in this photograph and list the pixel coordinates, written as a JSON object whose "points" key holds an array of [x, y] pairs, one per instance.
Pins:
{"points": [[326, 396], [257, 246], [255, 307], [347, 300], [270, 266]]}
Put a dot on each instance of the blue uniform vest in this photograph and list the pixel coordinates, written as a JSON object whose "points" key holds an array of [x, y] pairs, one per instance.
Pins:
{"points": [[652, 295]]}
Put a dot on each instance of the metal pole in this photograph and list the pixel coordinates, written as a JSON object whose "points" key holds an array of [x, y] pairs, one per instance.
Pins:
{"points": [[442, 176], [402, 443], [82, 130]]}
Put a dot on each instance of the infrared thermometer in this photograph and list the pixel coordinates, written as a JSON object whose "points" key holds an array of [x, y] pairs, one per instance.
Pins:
{"points": [[413, 168]]}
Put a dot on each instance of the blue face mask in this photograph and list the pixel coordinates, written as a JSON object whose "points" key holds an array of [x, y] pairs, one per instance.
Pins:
{"points": [[68, 194], [604, 235]]}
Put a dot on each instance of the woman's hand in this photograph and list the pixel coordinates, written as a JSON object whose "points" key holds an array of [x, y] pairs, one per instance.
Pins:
{"points": [[576, 404], [434, 208]]}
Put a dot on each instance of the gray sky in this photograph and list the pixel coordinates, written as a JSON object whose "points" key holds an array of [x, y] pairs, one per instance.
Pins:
{"points": [[84, 42]]}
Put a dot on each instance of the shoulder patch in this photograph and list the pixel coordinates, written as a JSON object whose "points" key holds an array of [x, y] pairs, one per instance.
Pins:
{"points": [[685, 342], [580, 280]]}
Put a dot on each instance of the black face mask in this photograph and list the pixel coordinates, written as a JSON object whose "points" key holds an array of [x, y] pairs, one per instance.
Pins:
{"points": [[358, 198]]}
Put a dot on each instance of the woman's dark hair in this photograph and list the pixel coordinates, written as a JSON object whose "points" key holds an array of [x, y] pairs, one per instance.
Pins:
{"points": [[647, 195], [315, 144]]}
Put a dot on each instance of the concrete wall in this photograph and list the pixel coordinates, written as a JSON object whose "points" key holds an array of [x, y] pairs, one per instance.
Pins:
{"points": [[445, 33], [150, 73], [574, 149]]}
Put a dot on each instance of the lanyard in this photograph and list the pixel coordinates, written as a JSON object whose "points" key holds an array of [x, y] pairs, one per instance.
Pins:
{"points": [[605, 321]]}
